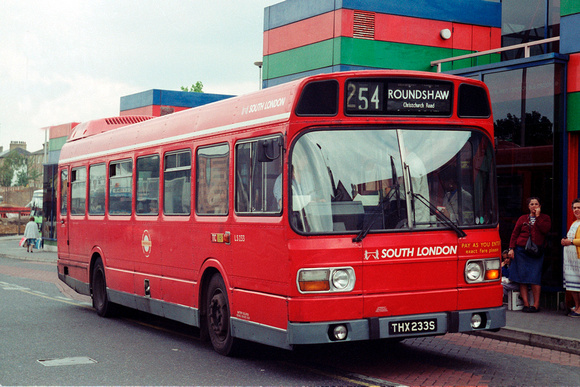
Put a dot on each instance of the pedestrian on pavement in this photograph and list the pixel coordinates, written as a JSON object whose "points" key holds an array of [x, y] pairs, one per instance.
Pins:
{"points": [[526, 268], [31, 234], [572, 260]]}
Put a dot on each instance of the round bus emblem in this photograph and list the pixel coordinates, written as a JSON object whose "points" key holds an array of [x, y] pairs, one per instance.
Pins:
{"points": [[146, 243]]}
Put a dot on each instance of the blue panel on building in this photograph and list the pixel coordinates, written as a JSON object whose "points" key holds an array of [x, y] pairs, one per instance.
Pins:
{"points": [[169, 98], [291, 11], [569, 33], [478, 12]]}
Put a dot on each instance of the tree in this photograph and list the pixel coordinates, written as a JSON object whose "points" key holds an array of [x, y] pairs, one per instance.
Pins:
{"points": [[14, 164], [196, 88]]}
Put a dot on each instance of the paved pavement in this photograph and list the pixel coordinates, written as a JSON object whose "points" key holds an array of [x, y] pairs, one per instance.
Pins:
{"points": [[549, 328]]}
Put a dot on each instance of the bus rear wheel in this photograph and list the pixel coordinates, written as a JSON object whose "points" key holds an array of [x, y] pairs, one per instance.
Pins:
{"points": [[101, 302], [218, 317]]}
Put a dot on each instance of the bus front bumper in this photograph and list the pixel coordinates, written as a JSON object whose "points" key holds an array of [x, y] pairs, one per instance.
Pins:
{"points": [[397, 327]]}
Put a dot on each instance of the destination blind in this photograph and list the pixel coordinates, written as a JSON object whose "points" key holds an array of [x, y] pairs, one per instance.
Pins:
{"points": [[398, 97]]}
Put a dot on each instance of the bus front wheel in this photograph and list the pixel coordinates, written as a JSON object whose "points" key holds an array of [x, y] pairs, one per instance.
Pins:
{"points": [[101, 301], [218, 317]]}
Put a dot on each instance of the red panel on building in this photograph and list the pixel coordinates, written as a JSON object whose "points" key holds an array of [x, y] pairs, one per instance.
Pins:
{"points": [[302, 33], [63, 130], [410, 30], [574, 73]]}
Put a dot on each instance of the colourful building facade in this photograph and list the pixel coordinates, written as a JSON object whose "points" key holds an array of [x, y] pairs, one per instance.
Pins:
{"points": [[535, 97], [308, 37]]}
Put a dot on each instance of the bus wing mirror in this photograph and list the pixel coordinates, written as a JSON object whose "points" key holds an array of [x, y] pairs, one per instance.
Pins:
{"points": [[269, 150]]}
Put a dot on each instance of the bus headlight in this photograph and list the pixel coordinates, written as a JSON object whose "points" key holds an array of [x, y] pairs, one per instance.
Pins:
{"points": [[340, 279], [325, 280], [482, 270]]}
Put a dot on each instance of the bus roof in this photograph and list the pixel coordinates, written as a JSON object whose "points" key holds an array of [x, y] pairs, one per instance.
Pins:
{"points": [[268, 106]]}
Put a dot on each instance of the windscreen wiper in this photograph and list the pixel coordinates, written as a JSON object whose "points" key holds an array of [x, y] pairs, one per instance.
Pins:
{"points": [[440, 215], [395, 191], [380, 211]]}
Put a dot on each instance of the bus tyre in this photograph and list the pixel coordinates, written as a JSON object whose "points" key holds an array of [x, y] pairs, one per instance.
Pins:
{"points": [[101, 301], [218, 317]]}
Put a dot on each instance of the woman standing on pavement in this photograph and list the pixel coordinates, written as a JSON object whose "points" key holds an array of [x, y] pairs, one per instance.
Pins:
{"points": [[31, 234], [571, 260], [525, 268]]}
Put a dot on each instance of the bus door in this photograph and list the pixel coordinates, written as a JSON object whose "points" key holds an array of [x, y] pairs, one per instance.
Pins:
{"points": [[63, 229]]}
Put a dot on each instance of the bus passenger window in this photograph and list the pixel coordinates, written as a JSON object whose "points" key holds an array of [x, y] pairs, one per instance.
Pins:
{"points": [[212, 180], [120, 187], [97, 179], [63, 191], [259, 176], [78, 191], [147, 185], [176, 184]]}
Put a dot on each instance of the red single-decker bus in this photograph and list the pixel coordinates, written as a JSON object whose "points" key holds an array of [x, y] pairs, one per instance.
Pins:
{"points": [[339, 207]]}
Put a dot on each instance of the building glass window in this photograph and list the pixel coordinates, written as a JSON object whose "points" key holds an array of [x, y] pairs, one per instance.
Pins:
{"points": [[528, 21], [527, 108]]}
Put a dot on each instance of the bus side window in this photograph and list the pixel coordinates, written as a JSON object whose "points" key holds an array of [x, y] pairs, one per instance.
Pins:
{"points": [[97, 181], [120, 187], [78, 193], [147, 185], [177, 183], [63, 192], [212, 184], [258, 174]]}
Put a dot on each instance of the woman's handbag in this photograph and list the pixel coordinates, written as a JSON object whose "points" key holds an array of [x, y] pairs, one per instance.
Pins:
{"points": [[532, 248]]}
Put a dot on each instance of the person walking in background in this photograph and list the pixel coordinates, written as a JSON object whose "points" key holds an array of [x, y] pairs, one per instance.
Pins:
{"points": [[31, 234], [572, 260], [525, 268]]}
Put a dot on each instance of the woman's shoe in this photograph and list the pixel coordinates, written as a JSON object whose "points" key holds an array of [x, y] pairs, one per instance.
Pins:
{"points": [[533, 309], [573, 314], [526, 309]]}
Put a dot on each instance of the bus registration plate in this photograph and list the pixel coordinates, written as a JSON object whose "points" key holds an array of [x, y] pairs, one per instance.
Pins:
{"points": [[410, 327]]}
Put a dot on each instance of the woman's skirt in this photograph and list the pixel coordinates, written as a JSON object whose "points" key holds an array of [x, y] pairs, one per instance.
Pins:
{"points": [[525, 269], [571, 269]]}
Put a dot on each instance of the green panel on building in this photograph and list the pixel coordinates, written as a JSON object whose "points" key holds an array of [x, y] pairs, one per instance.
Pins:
{"points": [[365, 53], [573, 109], [311, 57], [569, 7], [371, 53], [56, 144]]}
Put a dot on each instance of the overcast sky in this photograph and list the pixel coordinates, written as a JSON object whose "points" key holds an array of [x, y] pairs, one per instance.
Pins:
{"points": [[71, 60]]}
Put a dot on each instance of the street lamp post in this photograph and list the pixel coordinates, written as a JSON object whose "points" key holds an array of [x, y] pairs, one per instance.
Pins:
{"points": [[259, 64]]}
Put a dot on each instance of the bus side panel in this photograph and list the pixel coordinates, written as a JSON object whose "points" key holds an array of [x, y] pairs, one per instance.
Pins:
{"points": [[76, 270], [121, 280], [261, 308], [410, 274], [178, 291], [480, 297], [117, 241], [325, 308], [260, 257], [400, 304]]}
